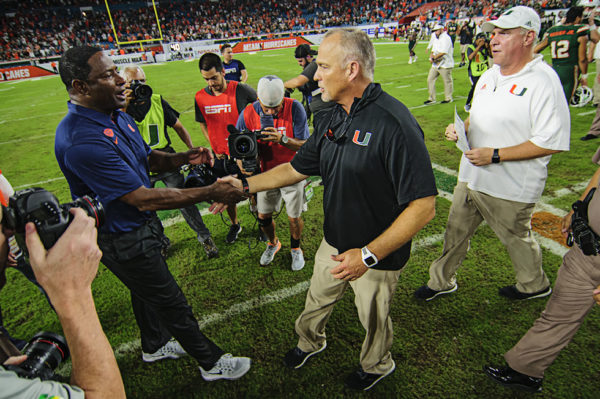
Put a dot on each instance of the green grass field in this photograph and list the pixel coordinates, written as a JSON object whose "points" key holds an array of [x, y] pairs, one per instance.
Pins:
{"points": [[439, 347]]}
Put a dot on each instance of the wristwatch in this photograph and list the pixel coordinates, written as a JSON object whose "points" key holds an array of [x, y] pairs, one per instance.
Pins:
{"points": [[284, 139], [496, 156], [368, 258]]}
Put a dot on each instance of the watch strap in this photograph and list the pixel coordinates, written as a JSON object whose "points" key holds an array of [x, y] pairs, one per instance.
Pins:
{"points": [[496, 156], [245, 186]]}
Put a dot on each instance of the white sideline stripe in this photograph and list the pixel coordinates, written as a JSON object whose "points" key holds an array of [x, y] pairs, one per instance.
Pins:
{"points": [[38, 183], [577, 189], [586, 113], [242, 307], [384, 58], [550, 245], [444, 169], [37, 116], [26, 138], [543, 206], [421, 89], [8, 88], [402, 87]]}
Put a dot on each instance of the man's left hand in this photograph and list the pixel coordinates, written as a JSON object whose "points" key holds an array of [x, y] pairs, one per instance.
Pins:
{"points": [[200, 155], [597, 295], [272, 135], [351, 266], [480, 156]]}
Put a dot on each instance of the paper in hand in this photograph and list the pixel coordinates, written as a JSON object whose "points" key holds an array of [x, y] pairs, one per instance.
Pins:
{"points": [[462, 143]]}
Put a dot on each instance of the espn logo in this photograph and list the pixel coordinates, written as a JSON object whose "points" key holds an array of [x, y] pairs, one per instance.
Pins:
{"points": [[217, 109]]}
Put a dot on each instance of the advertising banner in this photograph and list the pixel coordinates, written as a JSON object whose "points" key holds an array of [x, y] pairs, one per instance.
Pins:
{"points": [[260, 45], [22, 72]]}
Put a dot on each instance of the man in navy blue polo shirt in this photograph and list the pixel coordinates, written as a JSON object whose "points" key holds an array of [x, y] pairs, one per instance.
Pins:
{"points": [[101, 153], [234, 69]]}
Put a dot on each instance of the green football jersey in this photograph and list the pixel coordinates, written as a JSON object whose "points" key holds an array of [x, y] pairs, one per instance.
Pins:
{"points": [[564, 44]]}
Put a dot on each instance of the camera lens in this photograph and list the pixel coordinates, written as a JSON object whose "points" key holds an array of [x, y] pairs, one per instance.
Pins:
{"points": [[244, 145], [44, 352], [92, 207]]}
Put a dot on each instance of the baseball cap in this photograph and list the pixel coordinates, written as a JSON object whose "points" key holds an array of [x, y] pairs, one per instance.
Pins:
{"points": [[270, 91], [437, 27], [516, 17]]}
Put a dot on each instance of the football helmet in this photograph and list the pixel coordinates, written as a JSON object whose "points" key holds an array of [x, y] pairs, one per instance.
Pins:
{"points": [[582, 96]]}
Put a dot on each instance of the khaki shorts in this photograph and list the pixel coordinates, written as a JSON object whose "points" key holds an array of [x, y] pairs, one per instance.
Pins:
{"points": [[463, 48], [270, 201]]}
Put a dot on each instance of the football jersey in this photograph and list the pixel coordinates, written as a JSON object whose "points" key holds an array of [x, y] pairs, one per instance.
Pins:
{"points": [[564, 44]]}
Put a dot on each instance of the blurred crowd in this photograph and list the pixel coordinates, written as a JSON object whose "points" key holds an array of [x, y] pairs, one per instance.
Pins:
{"points": [[45, 28]]}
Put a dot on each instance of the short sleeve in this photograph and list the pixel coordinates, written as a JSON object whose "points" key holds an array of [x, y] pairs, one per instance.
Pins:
{"points": [[199, 115], [14, 387], [307, 159], [171, 116], [103, 170]]}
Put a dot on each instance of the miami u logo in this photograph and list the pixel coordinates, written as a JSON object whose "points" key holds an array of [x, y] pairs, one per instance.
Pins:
{"points": [[111, 134], [365, 140], [514, 88]]}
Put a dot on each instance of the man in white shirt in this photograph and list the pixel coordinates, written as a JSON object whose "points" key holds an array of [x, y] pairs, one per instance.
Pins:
{"points": [[442, 63], [518, 119]]}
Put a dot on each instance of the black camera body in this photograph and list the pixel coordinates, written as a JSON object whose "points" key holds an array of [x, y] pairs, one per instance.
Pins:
{"points": [[199, 176], [140, 91], [244, 146], [51, 218], [581, 233], [45, 351]]}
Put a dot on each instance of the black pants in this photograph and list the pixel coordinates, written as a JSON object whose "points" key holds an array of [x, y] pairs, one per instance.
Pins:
{"points": [[474, 80], [159, 306]]}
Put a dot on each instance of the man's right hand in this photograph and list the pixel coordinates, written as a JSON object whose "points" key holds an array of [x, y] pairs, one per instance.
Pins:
{"points": [[226, 184], [66, 270], [450, 133]]}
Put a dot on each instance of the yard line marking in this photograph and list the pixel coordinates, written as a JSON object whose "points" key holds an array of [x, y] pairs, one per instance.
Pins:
{"points": [[38, 183], [402, 87], [37, 116], [243, 307], [26, 138], [444, 169], [8, 88], [421, 89], [550, 245], [586, 113]]}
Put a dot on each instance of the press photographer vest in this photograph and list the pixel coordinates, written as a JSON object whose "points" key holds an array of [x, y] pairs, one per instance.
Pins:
{"points": [[479, 64], [273, 154], [218, 112], [152, 128]]}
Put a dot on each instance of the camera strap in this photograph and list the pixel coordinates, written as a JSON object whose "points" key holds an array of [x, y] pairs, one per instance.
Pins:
{"points": [[581, 233]]}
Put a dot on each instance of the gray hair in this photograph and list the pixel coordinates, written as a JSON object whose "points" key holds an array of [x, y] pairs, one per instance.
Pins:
{"points": [[356, 46], [130, 70]]}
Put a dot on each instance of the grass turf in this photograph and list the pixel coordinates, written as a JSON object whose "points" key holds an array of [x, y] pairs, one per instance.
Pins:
{"points": [[439, 347]]}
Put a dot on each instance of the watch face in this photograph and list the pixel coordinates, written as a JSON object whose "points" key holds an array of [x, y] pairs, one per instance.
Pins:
{"points": [[284, 139], [369, 261]]}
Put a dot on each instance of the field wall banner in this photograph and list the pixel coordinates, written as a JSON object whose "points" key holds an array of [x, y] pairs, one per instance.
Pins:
{"points": [[370, 29], [135, 58], [260, 45], [23, 72]]}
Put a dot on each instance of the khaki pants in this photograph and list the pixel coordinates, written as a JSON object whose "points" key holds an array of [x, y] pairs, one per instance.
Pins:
{"points": [[596, 86], [510, 220], [373, 296], [446, 76], [595, 127], [570, 302]]}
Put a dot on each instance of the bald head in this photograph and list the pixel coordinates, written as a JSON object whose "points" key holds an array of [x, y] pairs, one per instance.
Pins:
{"points": [[134, 72]]}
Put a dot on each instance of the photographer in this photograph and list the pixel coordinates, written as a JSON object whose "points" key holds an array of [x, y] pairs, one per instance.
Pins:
{"points": [[306, 83], [286, 131], [479, 56], [101, 153], [576, 290], [153, 115], [66, 271]]}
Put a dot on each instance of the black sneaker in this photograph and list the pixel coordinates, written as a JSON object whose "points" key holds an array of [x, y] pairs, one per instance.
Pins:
{"points": [[511, 292], [365, 381], [428, 294], [296, 358], [588, 137], [427, 102], [513, 379], [446, 101], [234, 232], [210, 248]]}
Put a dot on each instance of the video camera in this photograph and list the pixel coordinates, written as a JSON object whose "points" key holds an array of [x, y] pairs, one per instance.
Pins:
{"points": [[51, 218], [199, 176], [244, 146], [140, 91], [45, 351]]}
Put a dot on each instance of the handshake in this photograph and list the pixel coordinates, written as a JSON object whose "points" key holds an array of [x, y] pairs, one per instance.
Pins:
{"points": [[227, 191]]}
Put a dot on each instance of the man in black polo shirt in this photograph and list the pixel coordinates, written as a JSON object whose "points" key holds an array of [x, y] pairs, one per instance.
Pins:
{"points": [[379, 192]]}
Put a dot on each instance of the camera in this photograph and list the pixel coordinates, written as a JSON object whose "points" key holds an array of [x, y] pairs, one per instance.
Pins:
{"points": [[51, 218], [244, 146], [199, 176], [140, 91], [45, 351]]}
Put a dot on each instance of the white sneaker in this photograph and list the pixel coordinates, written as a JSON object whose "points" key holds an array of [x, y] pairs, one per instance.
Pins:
{"points": [[170, 350], [269, 254], [228, 368], [297, 259], [410, 60]]}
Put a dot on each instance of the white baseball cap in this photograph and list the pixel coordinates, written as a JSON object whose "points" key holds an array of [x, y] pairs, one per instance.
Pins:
{"points": [[436, 27], [270, 91], [516, 17]]}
